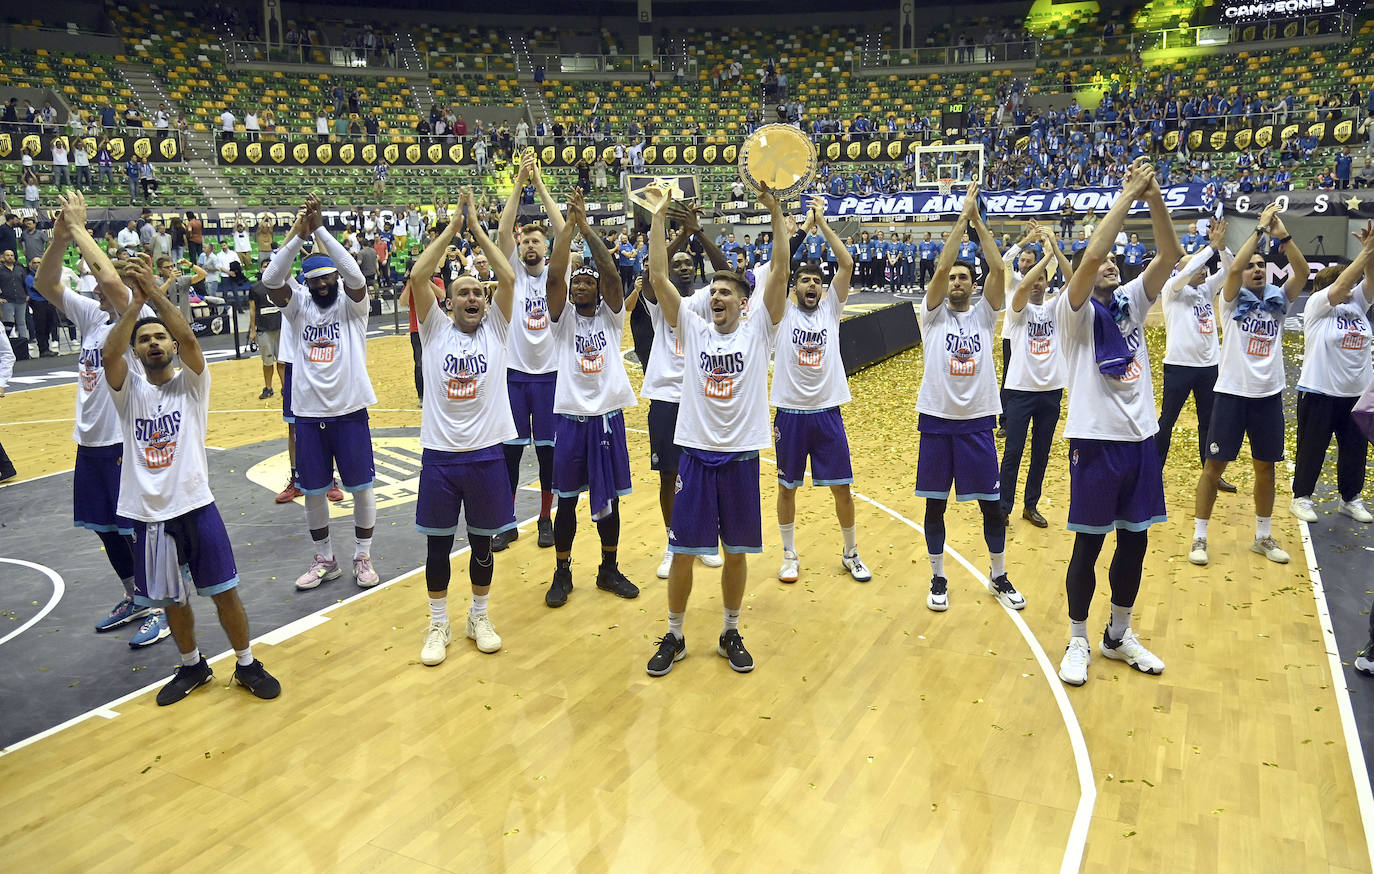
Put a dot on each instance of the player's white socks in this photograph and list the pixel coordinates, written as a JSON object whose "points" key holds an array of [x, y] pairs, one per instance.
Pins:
{"points": [[438, 609], [325, 548], [1263, 525], [1078, 629], [362, 546], [937, 564], [1121, 621], [851, 539], [999, 564], [675, 623], [245, 656], [479, 605], [192, 658], [1199, 528], [731, 620], [788, 533]]}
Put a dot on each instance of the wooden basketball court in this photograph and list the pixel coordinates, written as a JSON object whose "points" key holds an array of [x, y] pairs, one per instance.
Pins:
{"points": [[873, 736]]}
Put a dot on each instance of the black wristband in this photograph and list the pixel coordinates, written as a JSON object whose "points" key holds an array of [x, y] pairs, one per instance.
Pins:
{"points": [[1286, 240]]}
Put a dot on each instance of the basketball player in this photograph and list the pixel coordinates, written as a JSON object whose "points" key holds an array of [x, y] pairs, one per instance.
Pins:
{"points": [[330, 388], [809, 386], [1115, 481], [958, 405], [722, 425], [1250, 381], [663, 376], [463, 429], [99, 447], [180, 538], [589, 452], [1191, 351], [1035, 377], [533, 369]]}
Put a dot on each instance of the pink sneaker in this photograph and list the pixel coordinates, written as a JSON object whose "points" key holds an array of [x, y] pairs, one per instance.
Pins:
{"points": [[363, 572], [321, 569]]}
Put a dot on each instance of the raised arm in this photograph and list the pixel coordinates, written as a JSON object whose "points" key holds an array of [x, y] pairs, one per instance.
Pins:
{"points": [[1051, 239], [121, 335], [97, 259], [355, 284], [556, 223], [279, 268], [428, 263], [1179, 280], [48, 280], [611, 290], [668, 298], [188, 347], [1021, 295], [556, 285], [1340, 291], [500, 265], [505, 230], [1167, 247], [844, 262], [1296, 260], [938, 287], [1134, 185], [1230, 287], [995, 283], [775, 287]]}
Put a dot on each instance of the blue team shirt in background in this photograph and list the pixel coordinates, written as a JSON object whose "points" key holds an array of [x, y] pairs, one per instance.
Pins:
{"points": [[1135, 253], [968, 251], [928, 248]]}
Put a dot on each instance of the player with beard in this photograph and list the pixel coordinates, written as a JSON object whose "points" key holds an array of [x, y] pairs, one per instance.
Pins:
{"points": [[958, 405], [533, 368], [809, 386], [180, 539], [330, 388], [663, 376], [1250, 382], [722, 425], [462, 430], [1115, 482], [590, 451], [99, 441]]}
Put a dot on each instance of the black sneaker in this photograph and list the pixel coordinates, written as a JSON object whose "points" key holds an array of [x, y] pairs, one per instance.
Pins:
{"points": [[266, 393], [1364, 660], [938, 599], [186, 680], [671, 648], [562, 584], [501, 539], [1002, 589], [255, 679], [545, 525], [610, 579], [731, 646]]}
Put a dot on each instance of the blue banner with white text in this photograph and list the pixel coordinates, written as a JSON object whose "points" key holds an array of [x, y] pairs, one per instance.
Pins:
{"points": [[1049, 202]]}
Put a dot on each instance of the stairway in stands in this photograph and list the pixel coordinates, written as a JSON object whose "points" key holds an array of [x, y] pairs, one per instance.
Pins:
{"points": [[532, 92]]}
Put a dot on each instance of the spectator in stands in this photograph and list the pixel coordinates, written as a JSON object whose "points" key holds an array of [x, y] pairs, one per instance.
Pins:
{"points": [[14, 303], [61, 174], [105, 163], [148, 179], [322, 126], [1344, 163], [31, 193], [243, 242], [479, 154], [250, 125], [81, 160], [379, 171], [129, 239], [263, 232], [162, 242]]}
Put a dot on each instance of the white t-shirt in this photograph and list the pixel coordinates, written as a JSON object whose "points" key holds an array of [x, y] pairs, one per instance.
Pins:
{"points": [[531, 339], [243, 242], [807, 371], [959, 382], [1251, 352], [1106, 407], [469, 407], [226, 121], [97, 421], [1037, 352], [164, 474], [329, 374], [591, 373], [286, 341], [663, 376], [1335, 344], [724, 384], [1191, 323]]}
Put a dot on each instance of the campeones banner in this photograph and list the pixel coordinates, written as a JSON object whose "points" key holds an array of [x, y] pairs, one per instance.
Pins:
{"points": [[930, 203], [158, 151]]}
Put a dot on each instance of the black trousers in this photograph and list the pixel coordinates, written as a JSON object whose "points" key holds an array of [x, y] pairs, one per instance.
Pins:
{"points": [[927, 270], [45, 322], [1179, 382], [416, 351], [1321, 417], [1022, 409], [642, 332]]}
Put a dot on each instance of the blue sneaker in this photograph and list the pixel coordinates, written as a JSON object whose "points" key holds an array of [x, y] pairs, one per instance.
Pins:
{"points": [[153, 629], [124, 612]]}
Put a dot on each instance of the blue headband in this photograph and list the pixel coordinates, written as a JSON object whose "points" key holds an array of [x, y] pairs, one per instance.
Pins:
{"points": [[317, 265]]}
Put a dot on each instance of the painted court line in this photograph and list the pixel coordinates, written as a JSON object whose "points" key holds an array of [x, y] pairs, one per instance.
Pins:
{"points": [[59, 588], [1358, 770]]}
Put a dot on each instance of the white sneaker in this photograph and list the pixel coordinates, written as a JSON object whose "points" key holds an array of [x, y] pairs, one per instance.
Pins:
{"points": [[938, 599], [856, 568], [790, 569], [1302, 509], [435, 649], [481, 631], [1198, 554], [1355, 510], [1002, 589], [320, 571], [712, 559], [1269, 548], [1130, 650], [665, 566], [1073, 668]]}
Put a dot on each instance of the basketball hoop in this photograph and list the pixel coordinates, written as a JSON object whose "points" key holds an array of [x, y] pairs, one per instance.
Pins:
{"points": [[946, 186]]}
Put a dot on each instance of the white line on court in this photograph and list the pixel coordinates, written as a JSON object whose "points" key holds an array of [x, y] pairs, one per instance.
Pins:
{"points": [[1358, 770], [59, 588], [1087, 785]]}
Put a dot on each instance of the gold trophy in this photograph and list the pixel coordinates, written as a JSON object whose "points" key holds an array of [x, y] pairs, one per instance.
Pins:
{"points": [[779, 156]]}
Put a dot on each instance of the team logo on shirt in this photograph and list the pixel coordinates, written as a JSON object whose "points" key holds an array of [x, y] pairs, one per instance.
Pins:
{"points": [[1041, 337], [1354, 327], [719, 371], [810, 346], [158, 438], [1205, 319], [1263, 331], [963, 350], [536, 313], [589, 352], [463, 372], [89, 367], [321, 342]]}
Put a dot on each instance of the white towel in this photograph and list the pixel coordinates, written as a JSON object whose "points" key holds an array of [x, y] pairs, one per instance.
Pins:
{"points": [[163, 574]]}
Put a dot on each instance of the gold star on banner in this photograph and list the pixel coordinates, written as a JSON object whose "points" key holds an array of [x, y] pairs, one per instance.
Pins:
{"points": [[1352, 203]]}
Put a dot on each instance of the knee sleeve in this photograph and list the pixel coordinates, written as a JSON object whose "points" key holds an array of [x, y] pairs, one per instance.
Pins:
{"points": [[994, 526], [316, 512], [364, 509], [1128, 562], [514, 452], [437, 568], [120, 550], [565, 524], [1081, 580], [480, 562], [935, 525], [609, 526], [545, 456]]}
